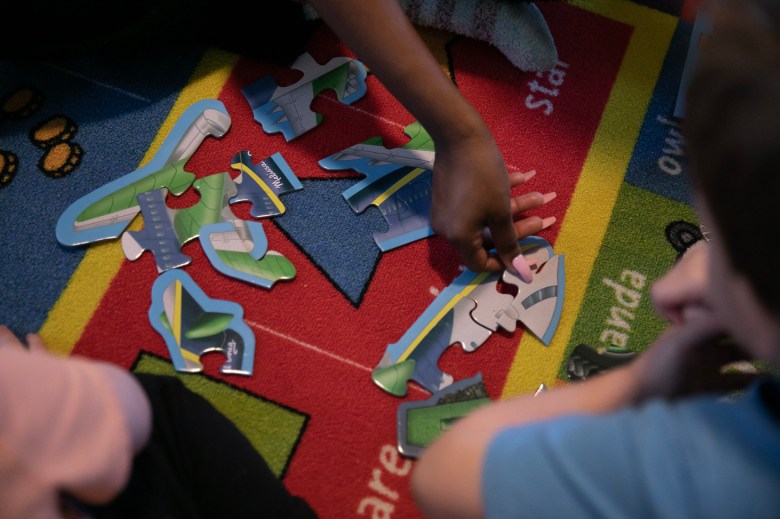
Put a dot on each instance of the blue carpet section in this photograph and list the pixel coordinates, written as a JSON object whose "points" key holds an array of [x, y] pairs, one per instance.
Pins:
{"points": [[117, 111], [658, 163], [341, 243]]}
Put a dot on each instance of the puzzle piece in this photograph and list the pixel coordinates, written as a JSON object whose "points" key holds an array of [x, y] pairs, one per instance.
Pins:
{"points": [[192, 324], [586, 361], [168, 229], [287, 109], [421, 422], [106, 212], [263, 182], [467, 312], [158, 234], [398, 182], [536, 305], [446, 321], [238, 249]]}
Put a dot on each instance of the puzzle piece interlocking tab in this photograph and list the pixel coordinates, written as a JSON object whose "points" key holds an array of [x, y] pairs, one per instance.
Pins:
{"points": [[398, 182], [467, 312], [287, 109]]}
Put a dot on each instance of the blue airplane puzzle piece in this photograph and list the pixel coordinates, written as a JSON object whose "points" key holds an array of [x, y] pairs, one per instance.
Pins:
{"points": [[239, 249], [193, 324], [446, 321], [106, 212], [398, 182], [287, 109], [262, 183]]}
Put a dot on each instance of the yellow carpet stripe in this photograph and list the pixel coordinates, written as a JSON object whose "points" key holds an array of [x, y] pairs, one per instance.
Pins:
{"points": [[70, 314], [583, 228]]}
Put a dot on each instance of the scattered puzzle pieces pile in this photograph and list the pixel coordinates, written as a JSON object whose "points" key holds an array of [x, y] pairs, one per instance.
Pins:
{"points": [[191, 323], [236, 248]]}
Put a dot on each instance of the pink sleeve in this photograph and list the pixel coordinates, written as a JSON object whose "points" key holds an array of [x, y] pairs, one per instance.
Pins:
{"points": [[67, 423]]}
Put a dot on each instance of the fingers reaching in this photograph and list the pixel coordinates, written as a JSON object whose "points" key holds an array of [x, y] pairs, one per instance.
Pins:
{"points": [[8, 339], [528, 201], [35, 343], [518, 177]]}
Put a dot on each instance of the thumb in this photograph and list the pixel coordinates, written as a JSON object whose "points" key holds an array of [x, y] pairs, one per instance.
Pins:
{"points": [[504, 237]]}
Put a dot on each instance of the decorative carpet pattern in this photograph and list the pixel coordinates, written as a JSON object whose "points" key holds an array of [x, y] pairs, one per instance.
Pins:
{"points": [[598, 129]]}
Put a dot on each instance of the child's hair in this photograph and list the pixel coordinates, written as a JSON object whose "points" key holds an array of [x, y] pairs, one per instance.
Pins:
{"points": [[732, 129]]}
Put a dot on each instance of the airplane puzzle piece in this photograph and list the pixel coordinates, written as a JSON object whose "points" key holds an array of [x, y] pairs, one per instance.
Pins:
{"points": [[106, 212], [398, 182], [536, 305], [467, 312], [263, 182], [287, 109], [193, 324], [421, 422], [239, 249], [446, 321]]}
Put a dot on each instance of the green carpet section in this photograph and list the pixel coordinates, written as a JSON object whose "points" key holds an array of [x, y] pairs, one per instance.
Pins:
{"points": [[616, 312], [273, 430]]}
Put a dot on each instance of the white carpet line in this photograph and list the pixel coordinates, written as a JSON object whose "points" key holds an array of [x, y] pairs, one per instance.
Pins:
{"points": [[319, 350], [364, 112], [509, 167], [308, 346], [99, 83]]}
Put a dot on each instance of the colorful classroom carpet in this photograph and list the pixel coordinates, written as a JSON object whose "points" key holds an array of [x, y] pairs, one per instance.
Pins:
{"points": [[598, 129]]}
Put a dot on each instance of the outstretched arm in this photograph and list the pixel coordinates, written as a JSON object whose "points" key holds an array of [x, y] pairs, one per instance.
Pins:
{"points": [[685, 360], [471, 206]]}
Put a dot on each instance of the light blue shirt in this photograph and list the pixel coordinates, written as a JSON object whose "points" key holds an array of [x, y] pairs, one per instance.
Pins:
{"points": [[702, 457]]}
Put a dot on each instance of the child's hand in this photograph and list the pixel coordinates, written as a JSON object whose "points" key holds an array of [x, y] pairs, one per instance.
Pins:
{"points": [[472, 206], [689, 359], [682, 291], [8, 339]]}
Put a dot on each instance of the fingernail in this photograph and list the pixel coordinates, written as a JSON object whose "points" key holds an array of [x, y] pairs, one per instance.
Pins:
{"points": [[546, 222], [529, 175], [522, 268], [547, 197]]}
